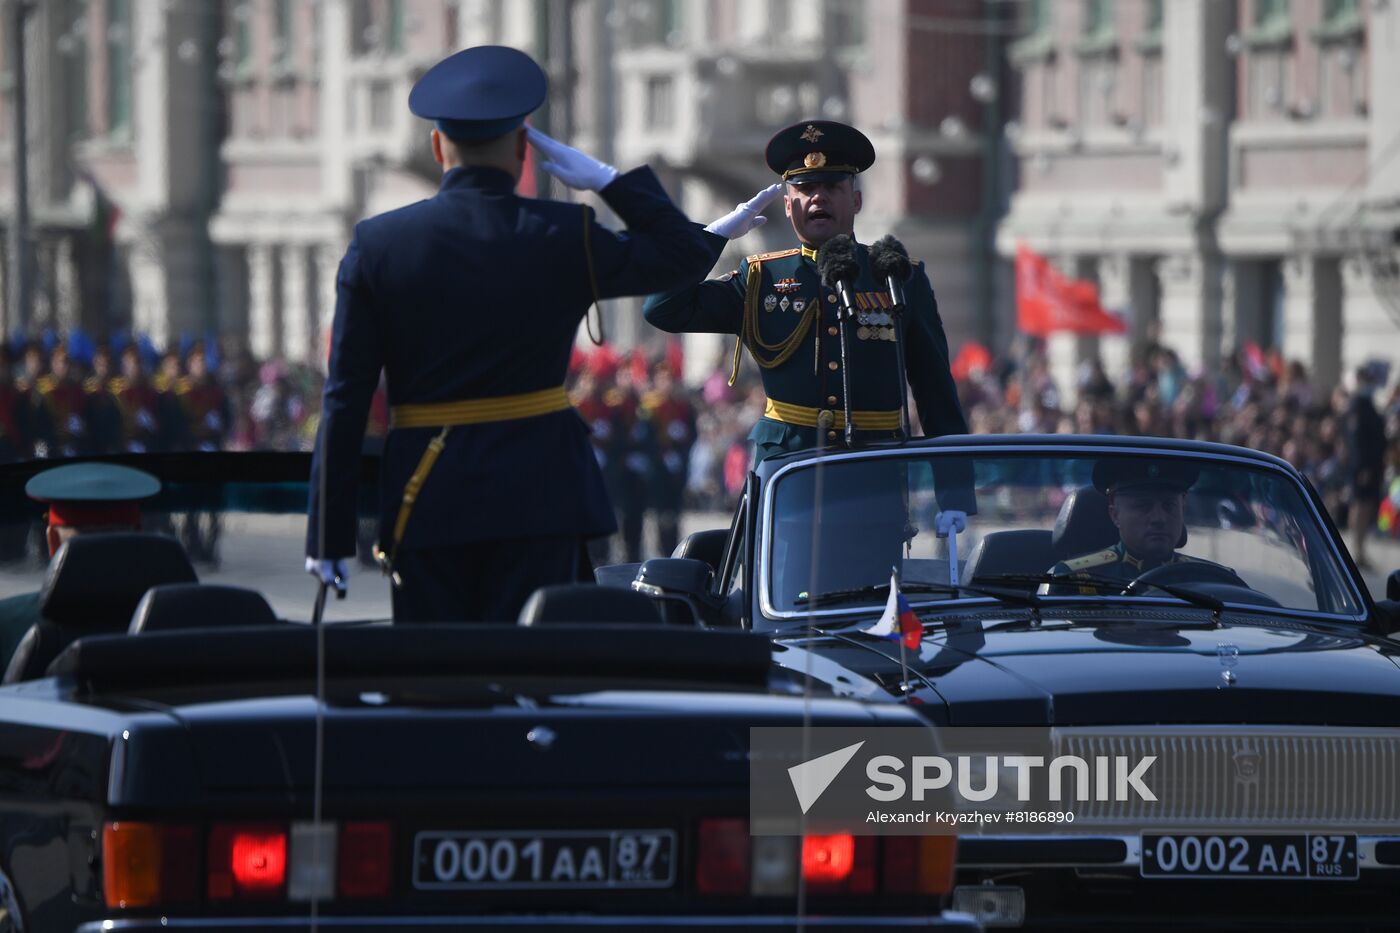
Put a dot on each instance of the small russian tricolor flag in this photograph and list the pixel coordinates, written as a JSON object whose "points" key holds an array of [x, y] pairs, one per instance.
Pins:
{"points": [[898, 620]]}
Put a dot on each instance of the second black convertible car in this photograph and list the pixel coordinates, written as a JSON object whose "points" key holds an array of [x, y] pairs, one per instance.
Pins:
{"points": [[1183, 601], [172, 767]]}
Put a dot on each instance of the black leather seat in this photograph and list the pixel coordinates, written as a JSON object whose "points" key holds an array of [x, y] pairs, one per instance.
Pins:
{"points": [[704, 545], [200, 605], [1001, 552], [584, 603], [92, 587]]}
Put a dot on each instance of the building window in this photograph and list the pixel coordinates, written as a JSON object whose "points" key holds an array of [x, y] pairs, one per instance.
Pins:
{"points": [[848, 26], [1270, 24], [243, 37], [1038, 42], [282, 26], [1341, 21], [394, 28], [661, 103], [119, 64], [1097, 34]]}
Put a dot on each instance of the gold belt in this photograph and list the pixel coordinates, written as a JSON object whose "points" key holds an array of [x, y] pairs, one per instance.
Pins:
{"points": [[831, 417], [479, 410], [448, 415]]}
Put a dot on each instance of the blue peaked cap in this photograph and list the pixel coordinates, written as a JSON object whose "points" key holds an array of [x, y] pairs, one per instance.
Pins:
{"points": [[480, 93]]}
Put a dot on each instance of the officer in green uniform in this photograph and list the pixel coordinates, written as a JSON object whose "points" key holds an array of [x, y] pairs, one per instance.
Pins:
{"points": [[777, 305], [1146, 502], [83, 498]]}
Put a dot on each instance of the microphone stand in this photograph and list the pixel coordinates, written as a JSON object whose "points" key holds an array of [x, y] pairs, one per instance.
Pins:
{"points": [[844, 313], [897, 312]]}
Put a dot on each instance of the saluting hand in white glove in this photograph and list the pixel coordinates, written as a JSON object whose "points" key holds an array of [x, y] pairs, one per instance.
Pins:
{"points": [[747, 216], [575, 169]]}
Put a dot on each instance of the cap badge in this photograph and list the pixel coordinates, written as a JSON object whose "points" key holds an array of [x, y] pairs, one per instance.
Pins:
{"points": [[811, 134], [814, 160]]}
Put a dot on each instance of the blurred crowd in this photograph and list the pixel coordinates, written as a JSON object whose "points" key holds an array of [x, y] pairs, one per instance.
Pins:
{"points": [[666, 448], [76, 397]]}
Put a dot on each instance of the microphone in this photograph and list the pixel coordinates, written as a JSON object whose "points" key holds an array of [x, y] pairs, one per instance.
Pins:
{"points": [[838, 268], [890, 260]]}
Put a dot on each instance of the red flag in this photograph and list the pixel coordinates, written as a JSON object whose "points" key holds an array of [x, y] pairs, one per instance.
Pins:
{"points": [[1048, 302], [675, 357], [973, 357]]}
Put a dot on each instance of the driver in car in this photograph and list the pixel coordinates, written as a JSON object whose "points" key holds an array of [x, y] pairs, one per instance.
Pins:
{"points": [[1146, 502]]}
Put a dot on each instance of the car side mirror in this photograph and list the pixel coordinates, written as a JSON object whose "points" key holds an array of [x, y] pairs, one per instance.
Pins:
{"points": [[680, 581], [1392, 585]]}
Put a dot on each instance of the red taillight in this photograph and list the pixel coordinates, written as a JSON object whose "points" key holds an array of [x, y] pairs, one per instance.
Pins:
{"points": [[722, 865], [839, 864], [828, 859], [247, 860], [144, 864], [365, 861]]}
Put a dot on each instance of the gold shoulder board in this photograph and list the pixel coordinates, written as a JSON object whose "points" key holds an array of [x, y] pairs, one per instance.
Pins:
{"points": [[1106, 556], [776, 254]]}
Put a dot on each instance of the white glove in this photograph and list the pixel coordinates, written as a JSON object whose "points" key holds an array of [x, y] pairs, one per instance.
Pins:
{"points": [[331, 572], [573, 168], [951, 521], [747, 216]]}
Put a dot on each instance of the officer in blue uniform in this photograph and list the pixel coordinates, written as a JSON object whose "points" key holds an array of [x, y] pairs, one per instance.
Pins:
{"points": [[787, 319], [469, 302], [83, 498]]}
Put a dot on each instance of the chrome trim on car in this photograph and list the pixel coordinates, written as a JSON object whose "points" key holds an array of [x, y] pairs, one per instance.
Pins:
{"points": [[1264, 775], [764, 551]]}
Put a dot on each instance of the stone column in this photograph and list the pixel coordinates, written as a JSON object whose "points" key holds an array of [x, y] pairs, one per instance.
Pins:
{"points": [[149, 307], [263, 335], [1312, 323], [67, 293], [1115, 294], [1190, 307], [296, 310], [1368, 330], [326, 264]]}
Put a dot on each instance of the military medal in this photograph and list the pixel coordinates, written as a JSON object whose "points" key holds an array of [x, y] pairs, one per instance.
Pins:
{"points": [[863, 332], [770, 302], [786, 286], [799, 305], [784, 304]]}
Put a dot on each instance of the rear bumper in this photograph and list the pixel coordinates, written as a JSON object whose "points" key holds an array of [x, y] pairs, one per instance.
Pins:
{"points": [[949, 921]]}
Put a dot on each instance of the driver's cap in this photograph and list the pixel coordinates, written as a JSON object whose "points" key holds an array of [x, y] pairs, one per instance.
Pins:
{"points": [[1118, 474]]}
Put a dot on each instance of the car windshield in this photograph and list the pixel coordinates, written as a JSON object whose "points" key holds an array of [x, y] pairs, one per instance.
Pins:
{"points": [[1060, 523]]}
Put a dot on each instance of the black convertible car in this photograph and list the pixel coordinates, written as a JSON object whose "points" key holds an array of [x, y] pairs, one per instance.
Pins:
{"points": [[1249, 648], [176, 754]]}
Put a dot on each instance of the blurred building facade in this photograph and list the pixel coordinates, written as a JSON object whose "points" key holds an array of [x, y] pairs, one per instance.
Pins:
{"points": [[1226, 171], [199, 163]]}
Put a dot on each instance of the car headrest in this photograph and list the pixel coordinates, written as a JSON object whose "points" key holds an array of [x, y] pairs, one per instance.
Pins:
{"points": [[1083, 525], [582, 602], [199, 605], [1019, 551], [704, 545], [96, 580]]}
